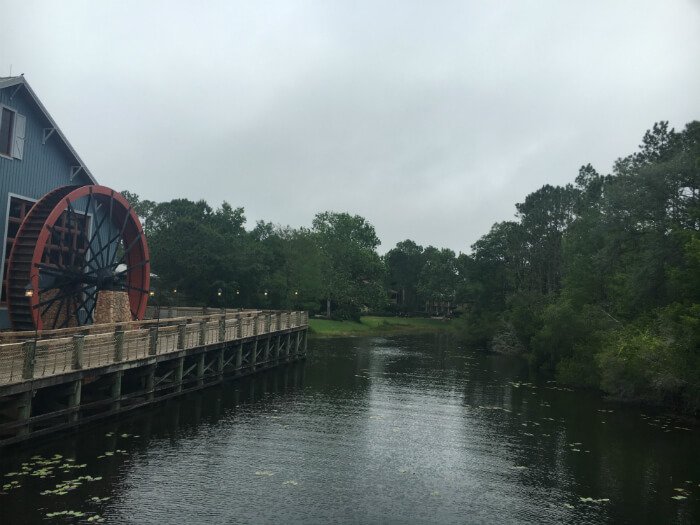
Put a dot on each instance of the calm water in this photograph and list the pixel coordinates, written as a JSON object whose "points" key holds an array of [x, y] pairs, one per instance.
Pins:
{"points": [[399, 430]]}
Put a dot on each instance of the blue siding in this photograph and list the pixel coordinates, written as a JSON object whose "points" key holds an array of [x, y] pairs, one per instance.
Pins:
{"points": [[43, 166]]}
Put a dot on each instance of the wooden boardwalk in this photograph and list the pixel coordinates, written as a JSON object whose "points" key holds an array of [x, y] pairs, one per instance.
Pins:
{"points": [[66, 377]]}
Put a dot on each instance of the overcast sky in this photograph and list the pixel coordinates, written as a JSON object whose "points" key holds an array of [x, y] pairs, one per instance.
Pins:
{"points": [[430, 119]]}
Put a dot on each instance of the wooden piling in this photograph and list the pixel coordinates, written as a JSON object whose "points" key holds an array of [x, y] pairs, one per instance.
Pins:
{"points": [[74, 399], [116, 390], [177, 374], [150, 382]]}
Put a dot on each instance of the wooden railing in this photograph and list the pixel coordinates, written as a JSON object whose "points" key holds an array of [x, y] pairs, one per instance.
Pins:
{"points": [[99, 345]]}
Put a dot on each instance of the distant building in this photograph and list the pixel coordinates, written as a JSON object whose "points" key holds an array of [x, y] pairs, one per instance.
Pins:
{"points": [[35, 158]]}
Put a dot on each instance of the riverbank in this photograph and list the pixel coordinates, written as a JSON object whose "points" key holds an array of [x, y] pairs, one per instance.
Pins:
{"points": [[376, 325]]}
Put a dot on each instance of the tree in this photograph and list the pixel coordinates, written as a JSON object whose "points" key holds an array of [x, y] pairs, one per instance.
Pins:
{"points": [[438, 276], [352, 271], [404, 264]]}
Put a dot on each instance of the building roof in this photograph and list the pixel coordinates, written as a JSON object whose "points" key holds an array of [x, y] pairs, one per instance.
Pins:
{"points": [[20, 81]]}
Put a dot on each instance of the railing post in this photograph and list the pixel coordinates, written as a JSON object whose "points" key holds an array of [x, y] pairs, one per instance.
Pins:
{"points": [[29, 351], [116, 389], [177, 374], [78, 346], [118, 346], [202, 332], [255, 325], [239, 358], [222, 328], [152, 340], [181, 335]]}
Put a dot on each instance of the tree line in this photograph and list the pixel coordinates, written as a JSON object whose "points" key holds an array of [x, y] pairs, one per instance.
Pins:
{"points": [[205, 256], [596, 282]]}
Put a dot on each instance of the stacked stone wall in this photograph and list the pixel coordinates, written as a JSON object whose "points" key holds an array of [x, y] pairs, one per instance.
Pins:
{"points": [[112, 307]]}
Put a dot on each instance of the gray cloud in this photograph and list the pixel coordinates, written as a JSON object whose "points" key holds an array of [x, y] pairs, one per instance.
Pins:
{"points": [[429, 119]]}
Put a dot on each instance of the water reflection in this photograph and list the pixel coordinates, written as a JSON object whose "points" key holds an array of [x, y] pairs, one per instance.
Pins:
{"points": [[399, 430]]}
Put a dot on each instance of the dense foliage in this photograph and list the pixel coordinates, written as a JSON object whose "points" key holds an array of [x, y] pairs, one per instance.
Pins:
{"points": [[596, 282], [599, 281], [205, 256]]}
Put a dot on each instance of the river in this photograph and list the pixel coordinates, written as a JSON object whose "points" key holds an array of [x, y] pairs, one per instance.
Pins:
{"points": [[368, 430]]}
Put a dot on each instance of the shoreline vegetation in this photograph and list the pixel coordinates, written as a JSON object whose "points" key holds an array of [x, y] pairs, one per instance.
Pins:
{"points": [[373, 325], [596, 283]]}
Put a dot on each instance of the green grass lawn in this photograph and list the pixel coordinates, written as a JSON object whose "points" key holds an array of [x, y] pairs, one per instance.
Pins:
{"points": [[373, 325]]}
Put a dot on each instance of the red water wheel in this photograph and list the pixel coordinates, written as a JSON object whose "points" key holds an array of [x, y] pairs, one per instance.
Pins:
{"points": [[74, 243]]}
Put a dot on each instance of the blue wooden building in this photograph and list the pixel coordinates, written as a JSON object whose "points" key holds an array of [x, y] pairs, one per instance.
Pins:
{"points": [[35, 158]]}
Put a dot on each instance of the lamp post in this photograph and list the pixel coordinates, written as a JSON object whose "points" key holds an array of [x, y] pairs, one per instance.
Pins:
{"points": [[152, 295], [29, 293]]}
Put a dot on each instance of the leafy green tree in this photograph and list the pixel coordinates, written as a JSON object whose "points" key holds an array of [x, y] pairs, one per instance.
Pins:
{"points": [[438, 277], [352, 271], [404, 264]]}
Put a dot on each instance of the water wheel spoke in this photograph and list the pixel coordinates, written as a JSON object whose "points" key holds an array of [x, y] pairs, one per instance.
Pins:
{"points": [[51, 268], [95, 232], [70, 234], [129, 248], [109, 244], [46, 309], [135, 288], [98, 229], [132, 268], [58, 312], [79, 239], [54, 298], [88, 295], [121, 234], [66, 321], [91, 311], [106, 247]]}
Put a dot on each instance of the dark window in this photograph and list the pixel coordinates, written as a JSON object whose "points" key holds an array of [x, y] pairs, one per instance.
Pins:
{"points": [[6, 120]]}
